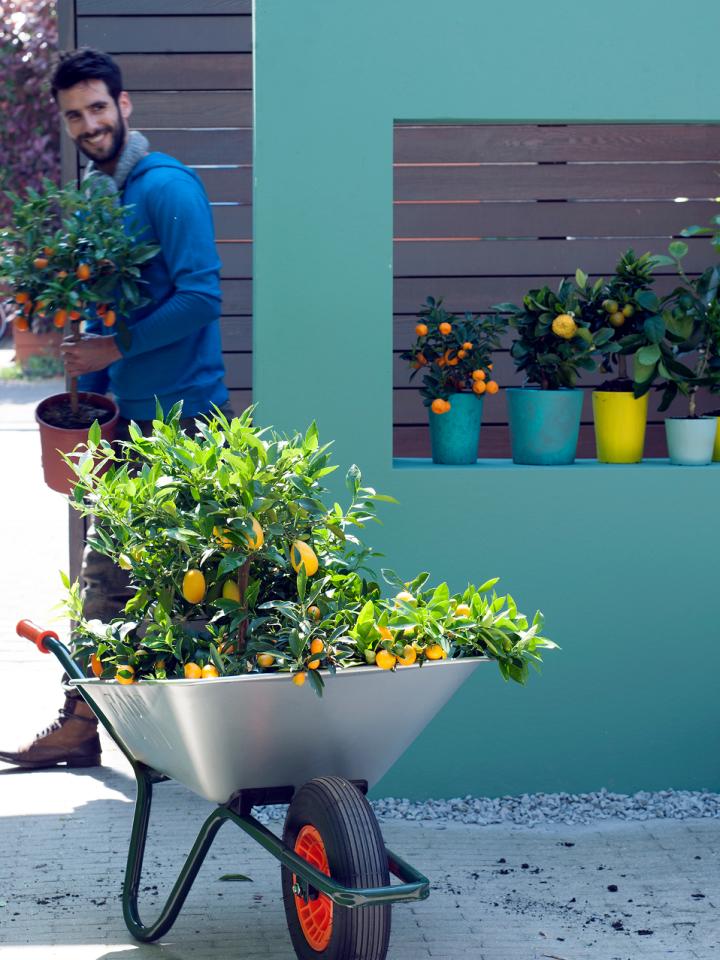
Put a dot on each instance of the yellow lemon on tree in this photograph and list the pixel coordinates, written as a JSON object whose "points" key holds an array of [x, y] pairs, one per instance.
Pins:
{"points": [[435, 652], [231, 591], [564, 326], [265, 659], [611, 306], [256, 541], [219, 534], [125, 673], [405, 597], [124, 562], [193, 586], [409, 656], [463, 610], [617, 319], [302, 554], [385, 660], [209, 671], [193, 671]]}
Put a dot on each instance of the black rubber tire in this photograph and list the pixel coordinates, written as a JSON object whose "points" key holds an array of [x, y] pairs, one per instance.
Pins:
{"points": [[356, 857]]}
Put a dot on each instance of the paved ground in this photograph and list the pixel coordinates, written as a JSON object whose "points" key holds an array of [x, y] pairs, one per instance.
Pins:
{"points": [[613, 891]]}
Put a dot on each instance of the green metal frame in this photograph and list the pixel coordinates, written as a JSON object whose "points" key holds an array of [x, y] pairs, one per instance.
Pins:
{"points": [[238, 809]]}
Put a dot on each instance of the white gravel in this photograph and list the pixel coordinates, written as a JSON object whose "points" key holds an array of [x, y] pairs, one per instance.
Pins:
{"points": [[532, 809]]}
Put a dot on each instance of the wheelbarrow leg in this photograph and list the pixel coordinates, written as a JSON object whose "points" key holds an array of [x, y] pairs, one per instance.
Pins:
{"points": [[133, 871]]}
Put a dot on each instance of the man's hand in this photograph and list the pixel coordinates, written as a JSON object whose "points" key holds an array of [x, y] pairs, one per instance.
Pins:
{"points": [[89, 354]]}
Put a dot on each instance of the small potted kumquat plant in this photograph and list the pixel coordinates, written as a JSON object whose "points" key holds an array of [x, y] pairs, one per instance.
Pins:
{"points": [[454, 355]]}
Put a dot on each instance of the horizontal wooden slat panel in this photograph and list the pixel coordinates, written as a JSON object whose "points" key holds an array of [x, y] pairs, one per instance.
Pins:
{"points": [[517, 143], [239, 400], [551, 219], [480, 294], [611, 181], [186, 71], [495, 443], [236, 259], [238, 371], [236, 297], [222, 186], [202, 146], [408, 407], [236, 333], [232, 222], [153, 34], [508, 257], [200, 108], [163, 7]]}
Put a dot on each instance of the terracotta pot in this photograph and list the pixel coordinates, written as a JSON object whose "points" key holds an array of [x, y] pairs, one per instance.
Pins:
{"points": [[28, 344], [56, 440]]}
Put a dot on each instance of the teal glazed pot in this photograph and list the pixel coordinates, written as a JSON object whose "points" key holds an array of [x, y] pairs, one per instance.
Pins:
{"points": [[690, 442], [544, 425], [455, 435]]}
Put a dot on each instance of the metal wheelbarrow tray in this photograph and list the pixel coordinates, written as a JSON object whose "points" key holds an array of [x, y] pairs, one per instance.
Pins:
{"points": [[248, 740]]}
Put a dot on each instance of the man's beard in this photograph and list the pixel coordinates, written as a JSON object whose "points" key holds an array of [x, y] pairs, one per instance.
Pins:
{"points": [[113, 151]]}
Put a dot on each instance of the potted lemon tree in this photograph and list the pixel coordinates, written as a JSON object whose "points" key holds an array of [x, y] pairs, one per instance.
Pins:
{"points": [[454, 355], [240, 567], [553, 342], [622, 306], [67, 256]]}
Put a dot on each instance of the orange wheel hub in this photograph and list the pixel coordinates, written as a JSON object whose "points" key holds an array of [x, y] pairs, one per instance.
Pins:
{"points": [[315, 915]]}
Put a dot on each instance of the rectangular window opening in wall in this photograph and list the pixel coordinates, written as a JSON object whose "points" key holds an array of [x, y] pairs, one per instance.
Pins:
{"points": [[483, 213]]}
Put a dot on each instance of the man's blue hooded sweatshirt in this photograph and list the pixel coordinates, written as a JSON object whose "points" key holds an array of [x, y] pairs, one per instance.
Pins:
{"points": [[174, 350]]}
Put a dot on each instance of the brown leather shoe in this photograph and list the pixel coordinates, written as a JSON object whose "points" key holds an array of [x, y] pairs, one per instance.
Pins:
{"points": [[72, 739]]}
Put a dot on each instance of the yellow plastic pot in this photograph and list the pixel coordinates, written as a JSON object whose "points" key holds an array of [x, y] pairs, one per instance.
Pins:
{"points": [[716, 447], [619, 426]]}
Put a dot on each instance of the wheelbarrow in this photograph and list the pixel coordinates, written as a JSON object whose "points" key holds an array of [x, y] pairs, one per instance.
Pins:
{"points": [[257, 740]]}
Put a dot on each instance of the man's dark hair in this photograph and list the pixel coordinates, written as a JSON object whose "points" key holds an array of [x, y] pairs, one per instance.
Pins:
{"points": [[86, 64]]}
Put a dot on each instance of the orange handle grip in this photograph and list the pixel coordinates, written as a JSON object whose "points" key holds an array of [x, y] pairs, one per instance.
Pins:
{"points": [[31, 631]]}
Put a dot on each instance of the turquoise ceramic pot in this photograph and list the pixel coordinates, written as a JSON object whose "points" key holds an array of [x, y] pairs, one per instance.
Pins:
{"points": [[455, 435], [544, 424]]}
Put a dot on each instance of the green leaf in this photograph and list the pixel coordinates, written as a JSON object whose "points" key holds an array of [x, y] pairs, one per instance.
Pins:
{"points": [[236, 877], [654, 328], [647, 356], [94, 433], [678, 249], [581, 278]]}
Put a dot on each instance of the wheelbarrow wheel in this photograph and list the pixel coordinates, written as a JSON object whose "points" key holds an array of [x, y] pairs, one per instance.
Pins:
{"points": [[331, 825]]}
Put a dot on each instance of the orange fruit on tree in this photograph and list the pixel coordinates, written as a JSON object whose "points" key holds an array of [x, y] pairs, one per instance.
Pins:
{"points": [[193, 586], [40, 263], [316, 645], [302, 554], [445, 328], [385, 633], [628, 310], [409, 656], [21, 324], [96, 665], [125, 673], [22, 297], [462, 354], [314, 612], [421, 329], [83, 272], [219, 534], [617, 319], [479, 375], [479, 387], [74, 315], [463, 610], [467, 345], [441, 362], [61, 274], [48, 251], [109, 318], [385, 660], [209, 671], [435, 652], [299, 678], [438, 406], [564, 326], [193, 671], [265, 659], [60, 318], [492, 386]]}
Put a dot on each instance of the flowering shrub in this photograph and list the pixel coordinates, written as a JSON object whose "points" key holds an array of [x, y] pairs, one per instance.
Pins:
{"points": [[29, 127]]}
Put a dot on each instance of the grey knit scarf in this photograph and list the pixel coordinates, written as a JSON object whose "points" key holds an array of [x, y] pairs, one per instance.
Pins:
{"points": [[136, 147]]}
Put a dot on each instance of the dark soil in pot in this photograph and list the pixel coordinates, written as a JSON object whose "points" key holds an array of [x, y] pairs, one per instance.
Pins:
{"points": [[60, 414], [618, 385]]}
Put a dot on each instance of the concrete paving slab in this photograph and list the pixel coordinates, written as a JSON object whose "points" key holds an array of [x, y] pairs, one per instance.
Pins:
{"points": [[607, 891]]}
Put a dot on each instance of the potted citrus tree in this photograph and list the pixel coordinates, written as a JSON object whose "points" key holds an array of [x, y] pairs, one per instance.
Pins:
{"points": [[687, 359], [240, 567], [553, 342], [454, 356], [67, 256], [622, 307]]}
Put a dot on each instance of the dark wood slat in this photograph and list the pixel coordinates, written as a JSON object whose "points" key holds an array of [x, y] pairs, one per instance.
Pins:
{"points": [[186, 71], [505, 257], [233, 223], [238, 371], [233, 185], [236, 259], [236, 333], [561, 219], [66, 41], [215, 34], [515, 143], [236, 297], [163, 7], [239, 400], [202, 146], [609, 181], [480, 294], [201, 108], [495, 442]]}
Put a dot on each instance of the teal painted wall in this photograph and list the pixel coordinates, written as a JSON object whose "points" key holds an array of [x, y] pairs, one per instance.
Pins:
{"points": [[622, 560]]}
